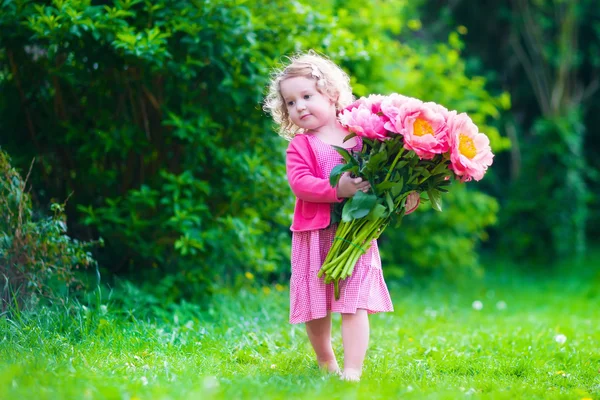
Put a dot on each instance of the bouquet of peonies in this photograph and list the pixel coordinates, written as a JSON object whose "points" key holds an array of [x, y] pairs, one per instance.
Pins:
{"points": [[409, 148]]}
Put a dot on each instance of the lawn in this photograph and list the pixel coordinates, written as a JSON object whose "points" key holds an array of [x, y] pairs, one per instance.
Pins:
{"points": [[508, 336]]}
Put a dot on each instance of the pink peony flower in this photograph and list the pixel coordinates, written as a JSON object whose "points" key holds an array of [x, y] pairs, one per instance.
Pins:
{"points": [[424, 130], [390, 106], [373, 102], [355, 104], [470, 151], [412, 202], [440, 109], [362, 121]]}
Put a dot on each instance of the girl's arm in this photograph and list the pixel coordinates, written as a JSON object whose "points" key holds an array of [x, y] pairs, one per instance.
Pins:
{"points": [[304, 184]]}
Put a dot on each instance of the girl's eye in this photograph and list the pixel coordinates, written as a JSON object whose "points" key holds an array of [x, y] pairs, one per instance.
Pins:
{"points": [[290, 103], [306, 96]]}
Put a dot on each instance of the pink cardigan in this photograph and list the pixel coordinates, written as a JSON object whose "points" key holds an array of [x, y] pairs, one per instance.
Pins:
{"points": [[313, 192]]}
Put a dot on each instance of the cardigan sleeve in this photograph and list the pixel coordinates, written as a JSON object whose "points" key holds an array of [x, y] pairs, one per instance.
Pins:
{"points": [[303, 182]]}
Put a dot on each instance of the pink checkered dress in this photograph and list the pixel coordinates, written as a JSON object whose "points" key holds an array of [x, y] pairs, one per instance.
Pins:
{"points": [[310, 298]]}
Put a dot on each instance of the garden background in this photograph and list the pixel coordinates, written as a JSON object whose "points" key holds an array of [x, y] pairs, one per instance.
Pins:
{"points": [[144, 233]]}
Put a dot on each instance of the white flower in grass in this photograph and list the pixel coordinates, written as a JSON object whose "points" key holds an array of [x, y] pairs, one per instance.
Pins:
{"points": [[477, 305], [560, 338], [501, 305], [144, 380]]}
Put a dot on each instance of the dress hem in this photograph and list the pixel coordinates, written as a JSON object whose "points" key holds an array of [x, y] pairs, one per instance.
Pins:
{"points": [[369, 311]]}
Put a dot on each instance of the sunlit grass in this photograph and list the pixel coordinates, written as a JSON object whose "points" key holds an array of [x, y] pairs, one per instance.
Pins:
{"points": [[505, 337]]}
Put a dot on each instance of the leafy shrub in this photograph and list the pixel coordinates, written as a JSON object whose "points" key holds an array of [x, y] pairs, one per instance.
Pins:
{"points": [[154, 124], [549, 186], [444, 243], [553, 228], [149, 113], [36, 255]]}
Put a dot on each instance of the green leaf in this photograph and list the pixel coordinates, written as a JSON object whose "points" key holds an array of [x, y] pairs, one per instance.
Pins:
{"points": [[344, 153], [436, 199], [401, 164], [369, 142], [337, 172], [413, 161], [350, 136], [390, 202], [440, 168], [376, 161], [397, 188], [336, 213], [379, 211], [384, 186], [358, 206], [347, 211]]}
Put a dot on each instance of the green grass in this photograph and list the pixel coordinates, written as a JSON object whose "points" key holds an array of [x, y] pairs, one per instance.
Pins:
{"points": [[435, 345]]}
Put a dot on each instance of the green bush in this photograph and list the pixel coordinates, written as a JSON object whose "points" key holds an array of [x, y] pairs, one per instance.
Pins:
{"points": [[545, 55], [149, 113], [151, 117], [37, 258], [444, 243], [547, 210]]}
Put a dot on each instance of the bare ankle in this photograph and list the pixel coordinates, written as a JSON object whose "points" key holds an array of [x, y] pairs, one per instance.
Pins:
{"points": [[330, 365]]}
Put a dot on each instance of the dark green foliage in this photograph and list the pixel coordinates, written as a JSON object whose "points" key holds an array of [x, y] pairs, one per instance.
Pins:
{"points": [[557, 169], [442, 242], [36, 255], [547, 55], [149, 114]]}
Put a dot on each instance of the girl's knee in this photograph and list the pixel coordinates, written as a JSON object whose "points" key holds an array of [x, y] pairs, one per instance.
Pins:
{"points": [[358, 314]]}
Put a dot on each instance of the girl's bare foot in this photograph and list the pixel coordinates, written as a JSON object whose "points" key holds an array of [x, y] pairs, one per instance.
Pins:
{"points": [[351, 374], [330, 366]]}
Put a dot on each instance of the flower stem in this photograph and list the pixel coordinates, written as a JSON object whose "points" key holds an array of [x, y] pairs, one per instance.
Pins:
{"points": [[398, 156]]}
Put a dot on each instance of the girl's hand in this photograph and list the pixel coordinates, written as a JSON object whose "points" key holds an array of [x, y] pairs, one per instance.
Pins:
{"points": [[348, 186]]}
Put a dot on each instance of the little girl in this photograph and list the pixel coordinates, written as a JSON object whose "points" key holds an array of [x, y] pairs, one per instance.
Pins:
{"points": [[304, 99]]}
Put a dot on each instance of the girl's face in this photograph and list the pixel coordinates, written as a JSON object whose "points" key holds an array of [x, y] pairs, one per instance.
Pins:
{"points": [[308, 108]]}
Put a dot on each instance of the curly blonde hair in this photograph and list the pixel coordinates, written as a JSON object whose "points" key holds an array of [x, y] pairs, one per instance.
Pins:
{"points": [[330, 80]]}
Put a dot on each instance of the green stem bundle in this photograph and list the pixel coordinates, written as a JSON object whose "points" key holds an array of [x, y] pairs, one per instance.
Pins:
{"points": [[364, 218], [352, 240]]}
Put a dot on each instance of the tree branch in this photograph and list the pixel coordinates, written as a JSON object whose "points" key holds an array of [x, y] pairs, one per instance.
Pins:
{"points": [[529, 71], [533, 39], [515, 151]]}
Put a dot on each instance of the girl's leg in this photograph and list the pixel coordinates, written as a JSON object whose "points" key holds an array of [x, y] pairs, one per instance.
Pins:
{"points": [[355, 337], [319, 334]]}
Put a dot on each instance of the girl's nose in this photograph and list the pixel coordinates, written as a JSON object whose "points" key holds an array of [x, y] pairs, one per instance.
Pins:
{"points": [[300, 106]]}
